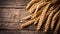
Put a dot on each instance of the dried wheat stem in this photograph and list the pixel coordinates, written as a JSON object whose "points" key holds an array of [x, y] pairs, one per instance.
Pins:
{"points": [[36, 20], [54, 19], [40, 5], [37, 13], [42, 18], [57, 27], [27, 17], [49, 19], [49, 11], [31, 3], [33, 7], [27, 23]]}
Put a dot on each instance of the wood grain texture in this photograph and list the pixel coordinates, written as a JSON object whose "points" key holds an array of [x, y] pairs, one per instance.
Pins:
{"points": [[11, 12]]}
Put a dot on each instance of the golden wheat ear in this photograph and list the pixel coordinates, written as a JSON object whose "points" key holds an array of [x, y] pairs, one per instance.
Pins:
{"points": [[55, 17], [50, 18], [42, 17], [57, 26], [31, 3]]}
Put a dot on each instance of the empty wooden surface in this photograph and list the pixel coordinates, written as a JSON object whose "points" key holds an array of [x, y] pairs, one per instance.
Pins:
{"points": [[11, 11]]}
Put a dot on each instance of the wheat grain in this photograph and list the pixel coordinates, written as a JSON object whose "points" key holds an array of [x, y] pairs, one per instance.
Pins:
{"points": [[42, 18], [54, 19], [49, 19], [57, 27]]}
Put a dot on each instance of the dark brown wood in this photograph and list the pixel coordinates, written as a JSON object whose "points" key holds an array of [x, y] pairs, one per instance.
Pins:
{"points": [[20, 32], [11, 12]]}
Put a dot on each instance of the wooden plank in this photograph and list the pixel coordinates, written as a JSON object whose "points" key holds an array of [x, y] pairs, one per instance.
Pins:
{"points": [[9, 25], [12, 15], [14, 2], [20, 32], [13, 7], [15, 26]]}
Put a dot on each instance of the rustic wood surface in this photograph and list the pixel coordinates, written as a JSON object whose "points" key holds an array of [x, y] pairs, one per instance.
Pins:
{"points": [[11, 11]]}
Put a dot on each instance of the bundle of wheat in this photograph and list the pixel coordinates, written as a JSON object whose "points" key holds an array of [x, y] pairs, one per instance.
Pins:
{"points": [[44, 12]]}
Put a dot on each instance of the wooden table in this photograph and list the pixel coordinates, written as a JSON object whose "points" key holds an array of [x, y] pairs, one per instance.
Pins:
{"points": [[11, 12]]}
